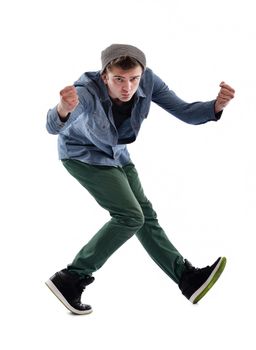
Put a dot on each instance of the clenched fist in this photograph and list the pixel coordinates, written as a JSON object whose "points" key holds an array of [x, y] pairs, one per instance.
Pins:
{"points": [[225, 94], [68, 101]]}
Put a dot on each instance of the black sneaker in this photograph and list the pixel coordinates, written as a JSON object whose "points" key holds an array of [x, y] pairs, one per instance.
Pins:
{"points": [[68, 287], [195, 283]]}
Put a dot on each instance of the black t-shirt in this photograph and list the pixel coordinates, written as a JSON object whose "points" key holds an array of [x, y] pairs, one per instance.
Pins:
{"points": [[121, 112]]}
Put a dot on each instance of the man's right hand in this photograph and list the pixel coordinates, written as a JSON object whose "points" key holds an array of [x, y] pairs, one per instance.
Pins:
{"points": [[68, 101]]}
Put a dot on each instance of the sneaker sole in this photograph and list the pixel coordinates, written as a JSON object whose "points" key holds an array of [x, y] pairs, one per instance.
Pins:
{"points": [[58, 294], [212, 279]]}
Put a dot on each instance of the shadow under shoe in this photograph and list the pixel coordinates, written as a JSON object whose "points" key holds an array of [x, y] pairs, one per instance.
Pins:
{"points": [[195, 282], [68, 288]]}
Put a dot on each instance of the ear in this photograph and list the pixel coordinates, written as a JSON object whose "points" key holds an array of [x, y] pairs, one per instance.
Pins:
{"points": [[104, 78]]}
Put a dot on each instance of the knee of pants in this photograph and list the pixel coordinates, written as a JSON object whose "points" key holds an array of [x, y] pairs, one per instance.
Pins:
{"points": [[133, 220], [148, 210]]}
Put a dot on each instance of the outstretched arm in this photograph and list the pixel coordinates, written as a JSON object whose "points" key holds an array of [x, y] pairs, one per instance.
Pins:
{"points": [[192, 113]]}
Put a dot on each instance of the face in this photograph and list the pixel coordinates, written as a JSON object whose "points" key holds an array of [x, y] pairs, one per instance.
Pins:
{"points": [[122, 84]]}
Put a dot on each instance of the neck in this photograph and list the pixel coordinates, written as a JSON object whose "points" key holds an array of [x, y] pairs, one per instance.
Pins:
{"points": [[117, 101]]}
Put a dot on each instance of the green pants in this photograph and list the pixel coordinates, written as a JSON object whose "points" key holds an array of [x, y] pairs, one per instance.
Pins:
{"points": [[119, 191]]}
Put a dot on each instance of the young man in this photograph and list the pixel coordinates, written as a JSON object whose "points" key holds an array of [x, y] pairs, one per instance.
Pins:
{"points": [[95, 119]]}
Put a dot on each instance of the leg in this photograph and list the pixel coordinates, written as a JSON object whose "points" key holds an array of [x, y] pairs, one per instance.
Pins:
{"points": [[193, 282], [151, 235], [111, 189], [120, 192]]}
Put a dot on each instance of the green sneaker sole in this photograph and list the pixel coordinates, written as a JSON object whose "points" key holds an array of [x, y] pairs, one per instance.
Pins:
{"points": [[210, 281]]}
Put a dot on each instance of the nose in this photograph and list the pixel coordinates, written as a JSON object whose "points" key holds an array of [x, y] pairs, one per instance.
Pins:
{"points": [[127, 86]]}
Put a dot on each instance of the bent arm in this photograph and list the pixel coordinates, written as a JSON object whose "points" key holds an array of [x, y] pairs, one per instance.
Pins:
{"points": [[191, 113], [56, 123]]}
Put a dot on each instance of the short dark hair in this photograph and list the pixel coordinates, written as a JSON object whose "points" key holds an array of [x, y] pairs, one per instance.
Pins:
{"points": [[123, 62]]}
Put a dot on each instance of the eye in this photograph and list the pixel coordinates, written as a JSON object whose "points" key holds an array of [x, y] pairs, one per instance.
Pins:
{"points": [[118, 79]]}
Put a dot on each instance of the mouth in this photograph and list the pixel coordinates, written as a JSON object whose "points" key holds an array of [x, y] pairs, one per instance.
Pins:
{"points": [[125, 95]]}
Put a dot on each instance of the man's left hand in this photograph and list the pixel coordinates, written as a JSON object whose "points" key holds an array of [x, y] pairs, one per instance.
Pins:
{"points": [[225, 94]]}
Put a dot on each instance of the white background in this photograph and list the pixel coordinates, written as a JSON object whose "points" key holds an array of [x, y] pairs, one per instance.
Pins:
{"points": [[201, 179]]}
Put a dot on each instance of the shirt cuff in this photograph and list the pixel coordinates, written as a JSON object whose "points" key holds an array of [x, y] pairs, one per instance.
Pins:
{"points": [[63, 119], [218, 115]]}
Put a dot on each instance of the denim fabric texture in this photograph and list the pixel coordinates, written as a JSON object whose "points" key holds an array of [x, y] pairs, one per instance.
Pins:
{"points": [[90, 135]]}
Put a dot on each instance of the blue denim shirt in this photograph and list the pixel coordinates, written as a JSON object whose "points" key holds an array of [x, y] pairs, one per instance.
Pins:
{"points": [[90, 135]]}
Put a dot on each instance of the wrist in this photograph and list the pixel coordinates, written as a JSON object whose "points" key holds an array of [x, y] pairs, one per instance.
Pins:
{"points": [[63, 113]]}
